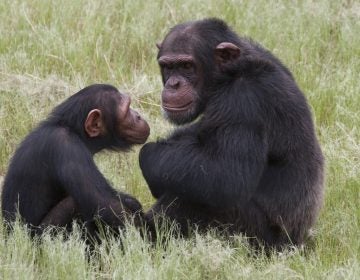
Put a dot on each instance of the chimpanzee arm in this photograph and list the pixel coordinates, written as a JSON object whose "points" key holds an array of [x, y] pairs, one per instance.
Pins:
{"points": [[81, 179], [224, 173]]}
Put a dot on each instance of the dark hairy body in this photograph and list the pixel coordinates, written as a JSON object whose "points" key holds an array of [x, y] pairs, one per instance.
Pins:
{"points": [[52, 178], [246, 158]]}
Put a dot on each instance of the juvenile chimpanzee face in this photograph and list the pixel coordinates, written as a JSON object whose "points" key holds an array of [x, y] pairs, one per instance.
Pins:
{"points": [[180, 93], [129, 125]]}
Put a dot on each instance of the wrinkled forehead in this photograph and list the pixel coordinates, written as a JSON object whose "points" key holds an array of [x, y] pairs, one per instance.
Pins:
{"points": [[125, 98], [123, 105], [175, 58]]}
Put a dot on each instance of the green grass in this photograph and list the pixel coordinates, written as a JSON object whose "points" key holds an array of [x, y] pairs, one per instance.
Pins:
{"points": [[51, 49]]}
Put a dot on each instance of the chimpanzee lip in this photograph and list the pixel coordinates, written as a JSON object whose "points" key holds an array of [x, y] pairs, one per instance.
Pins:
{"points": [[177, 108], [139, 140]]}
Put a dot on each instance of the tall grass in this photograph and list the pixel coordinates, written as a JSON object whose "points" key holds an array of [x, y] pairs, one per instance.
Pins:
{"points": [[51, 49]]}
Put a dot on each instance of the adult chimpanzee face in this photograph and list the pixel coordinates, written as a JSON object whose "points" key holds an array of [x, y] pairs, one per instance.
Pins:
{"points": [[180, 95], [131, 126]]}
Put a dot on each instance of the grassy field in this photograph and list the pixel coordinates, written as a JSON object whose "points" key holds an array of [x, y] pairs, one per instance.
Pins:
{"points": [[51, 49]]}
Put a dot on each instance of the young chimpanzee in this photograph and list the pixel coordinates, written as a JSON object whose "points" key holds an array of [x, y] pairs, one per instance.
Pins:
{"points": [[250, 163], [52, 177]]}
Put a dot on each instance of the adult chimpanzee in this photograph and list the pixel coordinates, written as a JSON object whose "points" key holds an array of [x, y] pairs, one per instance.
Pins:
{"points": [[52, 177], [251, 162]]}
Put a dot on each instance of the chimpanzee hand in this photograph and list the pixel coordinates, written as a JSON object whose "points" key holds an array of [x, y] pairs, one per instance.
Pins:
{"points": [[133, 207], [116, 210], [131, 204]]}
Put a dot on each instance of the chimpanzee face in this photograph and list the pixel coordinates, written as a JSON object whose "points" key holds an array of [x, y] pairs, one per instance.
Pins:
{"points": [[184, 95], [129, 126], [179, 96]]}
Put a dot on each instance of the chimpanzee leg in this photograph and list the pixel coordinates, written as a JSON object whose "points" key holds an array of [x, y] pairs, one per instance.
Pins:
{"points": [[61, 214], [183, 213], [247, 220], [258, 225]]}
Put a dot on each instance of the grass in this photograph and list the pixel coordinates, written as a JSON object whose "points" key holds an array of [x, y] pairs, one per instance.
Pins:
{"points": [[51, 49]]}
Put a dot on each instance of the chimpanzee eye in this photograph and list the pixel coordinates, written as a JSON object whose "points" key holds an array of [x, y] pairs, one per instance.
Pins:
{"points": [[187, 65], [167, 66]]}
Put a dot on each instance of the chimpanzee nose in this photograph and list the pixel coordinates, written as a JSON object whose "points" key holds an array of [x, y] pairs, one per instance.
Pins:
{"points": [[174, 83], [138, 117]]}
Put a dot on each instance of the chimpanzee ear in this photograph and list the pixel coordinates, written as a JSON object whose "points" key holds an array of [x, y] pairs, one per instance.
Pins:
{"points": [[158, 45], [94, 125], [226, 52]]}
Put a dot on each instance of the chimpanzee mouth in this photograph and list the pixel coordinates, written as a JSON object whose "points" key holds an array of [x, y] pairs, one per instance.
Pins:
{"points": [[183, 108], [138, 139]]}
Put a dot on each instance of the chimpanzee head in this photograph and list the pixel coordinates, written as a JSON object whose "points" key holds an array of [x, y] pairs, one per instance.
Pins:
{"points": [[191, 57], [102, 117]]}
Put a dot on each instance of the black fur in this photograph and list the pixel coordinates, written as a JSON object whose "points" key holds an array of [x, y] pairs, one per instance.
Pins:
{"points": [[251, 162], [52, 177]]}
